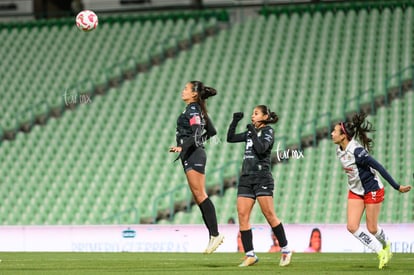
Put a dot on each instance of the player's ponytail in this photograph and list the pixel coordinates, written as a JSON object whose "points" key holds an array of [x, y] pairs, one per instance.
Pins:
{"points": [[203, 92], [208, 92], [272, 116], [358, 127]]}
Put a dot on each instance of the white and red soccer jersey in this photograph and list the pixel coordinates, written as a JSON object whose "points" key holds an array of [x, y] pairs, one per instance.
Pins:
{"points": [[362, 169]]}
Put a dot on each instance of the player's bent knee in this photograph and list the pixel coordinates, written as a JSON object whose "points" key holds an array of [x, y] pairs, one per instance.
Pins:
{"points": [[372, 229], [352, 228]]}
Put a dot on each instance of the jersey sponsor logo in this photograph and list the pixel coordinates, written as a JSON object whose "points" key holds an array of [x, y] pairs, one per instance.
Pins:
{"points": [[248, 157], [195, 120], [249, 144], [363, 153]]}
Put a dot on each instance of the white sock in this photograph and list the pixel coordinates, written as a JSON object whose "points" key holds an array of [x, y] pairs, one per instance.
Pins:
{"points": [[285, 249], [367, 240], [250, 253], [380, 235]]}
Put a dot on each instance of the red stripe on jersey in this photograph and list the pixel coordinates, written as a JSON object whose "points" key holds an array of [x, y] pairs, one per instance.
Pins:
{"points": [[348, 169], [195, 120]]}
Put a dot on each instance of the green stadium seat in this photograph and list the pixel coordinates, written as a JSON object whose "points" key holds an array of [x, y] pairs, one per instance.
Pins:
{"points": [[91, 165]]}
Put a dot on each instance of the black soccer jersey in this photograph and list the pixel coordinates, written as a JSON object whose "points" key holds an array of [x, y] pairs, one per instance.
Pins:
{"points": [[258, 148], [193, 129]]}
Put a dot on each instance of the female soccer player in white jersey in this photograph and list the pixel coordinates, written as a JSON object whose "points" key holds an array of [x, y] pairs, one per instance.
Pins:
{"points": [[366, 191], [256, 181]]}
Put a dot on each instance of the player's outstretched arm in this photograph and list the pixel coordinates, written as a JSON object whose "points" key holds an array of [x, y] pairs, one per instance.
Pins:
{"points": [[232, 137], [362, 156]]}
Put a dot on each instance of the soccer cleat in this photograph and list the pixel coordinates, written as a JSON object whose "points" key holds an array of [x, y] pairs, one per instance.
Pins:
{"points": [[214, 243], [383, 258], [249, 260], [387, 248], [285, 258]]}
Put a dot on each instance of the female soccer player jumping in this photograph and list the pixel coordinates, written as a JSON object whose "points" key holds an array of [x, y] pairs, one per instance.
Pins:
{"points": [[194, 127], [256, 181], [366, 191]]}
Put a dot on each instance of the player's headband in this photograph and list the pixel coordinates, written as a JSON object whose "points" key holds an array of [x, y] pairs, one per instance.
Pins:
{"points": [[344, 130]]}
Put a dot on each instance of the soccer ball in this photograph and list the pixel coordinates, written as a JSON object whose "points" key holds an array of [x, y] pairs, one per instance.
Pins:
{"points": [[86, 20]]}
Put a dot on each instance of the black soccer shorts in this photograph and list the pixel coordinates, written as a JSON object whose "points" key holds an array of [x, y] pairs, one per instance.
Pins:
{"points": [[196, 161], [255, 185]]}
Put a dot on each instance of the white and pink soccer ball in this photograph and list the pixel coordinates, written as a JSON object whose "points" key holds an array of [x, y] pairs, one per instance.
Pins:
{"points": [[86, 20]]}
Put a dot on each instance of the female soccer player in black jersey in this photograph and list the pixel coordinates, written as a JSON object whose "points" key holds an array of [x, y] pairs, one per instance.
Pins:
{"points": [[256, 181], [194, 127]]}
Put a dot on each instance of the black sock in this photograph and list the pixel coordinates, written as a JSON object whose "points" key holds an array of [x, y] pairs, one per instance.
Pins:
{"points": [[247, 240], [279, 232], [209, 216]]}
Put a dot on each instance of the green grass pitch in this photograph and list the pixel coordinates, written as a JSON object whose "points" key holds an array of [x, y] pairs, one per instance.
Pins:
{"points": [[197, 263]]}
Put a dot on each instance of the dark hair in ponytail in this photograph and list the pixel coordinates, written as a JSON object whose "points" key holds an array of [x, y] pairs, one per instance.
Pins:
{"points": [[272, 117], [203, 92], [358, 127]]}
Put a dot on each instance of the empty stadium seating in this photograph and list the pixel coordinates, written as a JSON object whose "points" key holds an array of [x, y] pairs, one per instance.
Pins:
{"points": [[107, 161], [43, 63], [313, 189]]}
